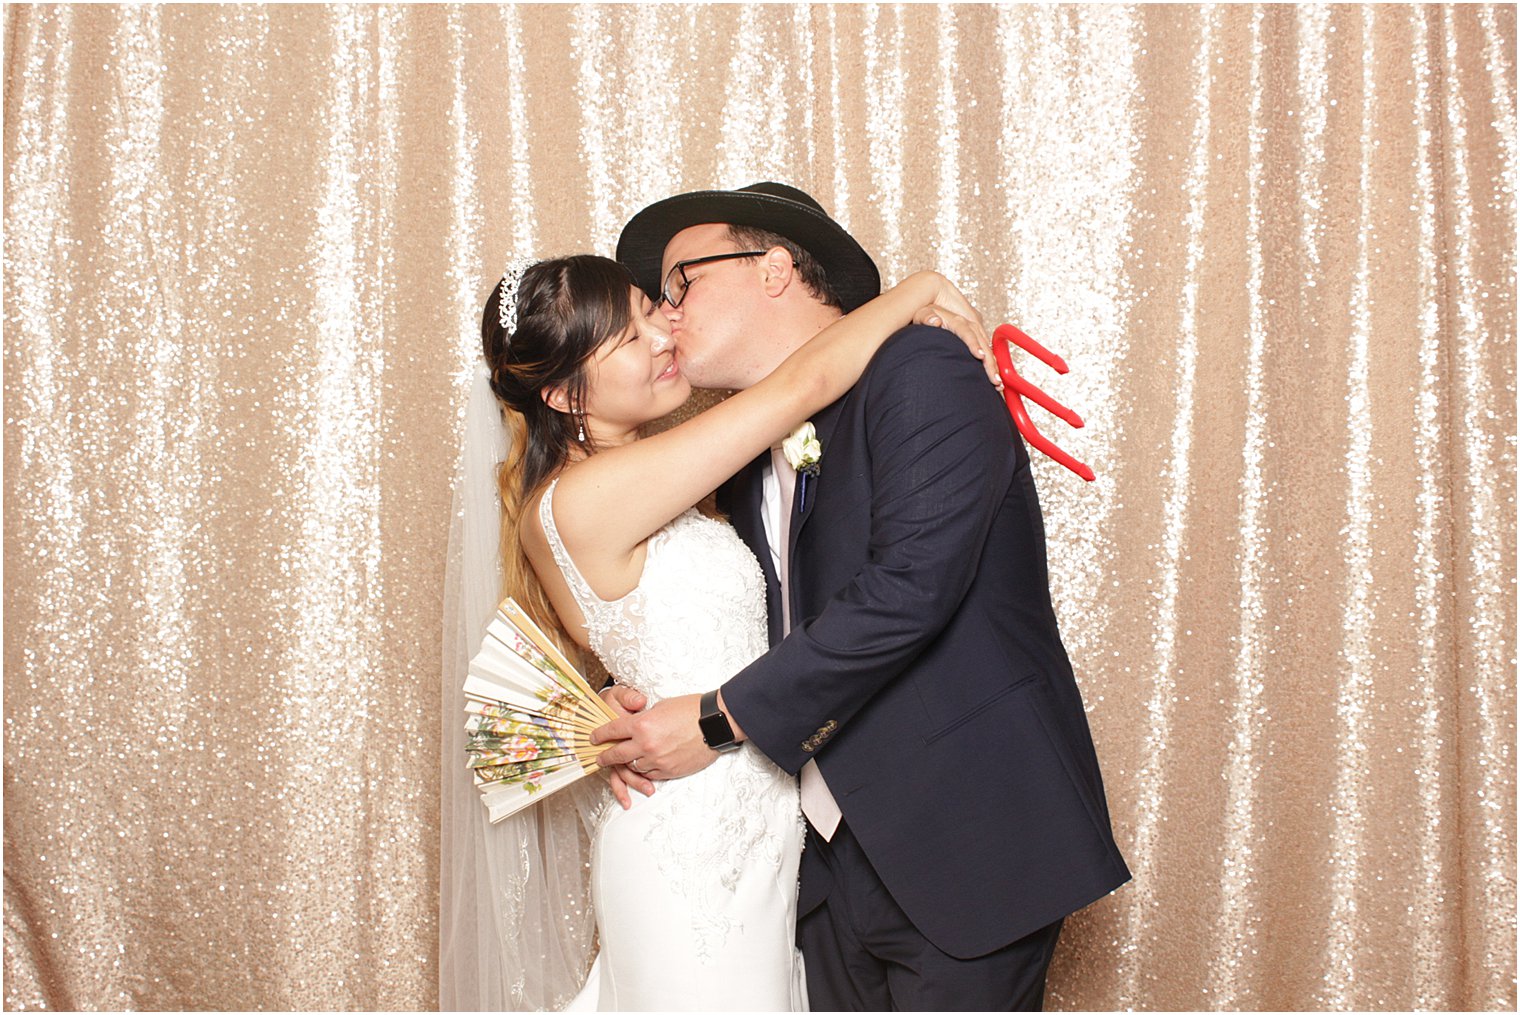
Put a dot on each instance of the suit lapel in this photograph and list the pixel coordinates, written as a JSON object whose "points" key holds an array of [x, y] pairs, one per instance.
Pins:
{"points": [[824, 424], [745, 513]]}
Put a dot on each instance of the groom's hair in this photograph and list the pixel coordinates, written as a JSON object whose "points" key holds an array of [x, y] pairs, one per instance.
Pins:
{"points": [[808, 269]]}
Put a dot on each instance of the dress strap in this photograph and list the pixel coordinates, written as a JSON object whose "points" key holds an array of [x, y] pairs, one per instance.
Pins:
{"points": [[592, 606]]}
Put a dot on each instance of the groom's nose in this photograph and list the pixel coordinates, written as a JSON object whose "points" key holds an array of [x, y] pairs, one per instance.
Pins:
{"points": [[672, 314]]}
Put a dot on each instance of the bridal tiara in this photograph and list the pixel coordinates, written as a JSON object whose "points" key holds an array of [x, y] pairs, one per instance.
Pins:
{"points": [[511, 278]]}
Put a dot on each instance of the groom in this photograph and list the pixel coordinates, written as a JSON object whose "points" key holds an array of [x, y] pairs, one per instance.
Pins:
{"points": [[916, 681]]}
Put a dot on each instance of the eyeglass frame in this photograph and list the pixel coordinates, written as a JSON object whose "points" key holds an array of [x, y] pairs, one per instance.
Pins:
{"points": [[681, 266]]}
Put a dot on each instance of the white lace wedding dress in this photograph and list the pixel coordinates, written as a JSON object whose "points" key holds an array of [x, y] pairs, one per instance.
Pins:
{"points": [[695, 888]]}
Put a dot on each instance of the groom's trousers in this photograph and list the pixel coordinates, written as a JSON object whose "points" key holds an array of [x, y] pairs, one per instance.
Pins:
{"points": [[863, 954]]}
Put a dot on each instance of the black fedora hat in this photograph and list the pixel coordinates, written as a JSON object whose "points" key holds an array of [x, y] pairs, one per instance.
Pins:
{"points": [[772, 206]]}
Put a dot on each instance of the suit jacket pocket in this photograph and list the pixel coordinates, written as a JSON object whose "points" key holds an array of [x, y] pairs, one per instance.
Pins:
{"points": [[961, 718]]}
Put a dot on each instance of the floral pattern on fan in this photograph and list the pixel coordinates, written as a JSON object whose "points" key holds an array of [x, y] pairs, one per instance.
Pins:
{"points": [[531, 715]]}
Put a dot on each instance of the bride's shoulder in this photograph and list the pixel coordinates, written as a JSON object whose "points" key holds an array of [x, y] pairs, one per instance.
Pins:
{"points": [[568, 512], [530, 530], [530, 519], [558, 503]]}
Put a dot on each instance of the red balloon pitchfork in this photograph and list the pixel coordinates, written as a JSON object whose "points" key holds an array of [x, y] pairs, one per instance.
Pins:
{"points": [[1015, 388]]}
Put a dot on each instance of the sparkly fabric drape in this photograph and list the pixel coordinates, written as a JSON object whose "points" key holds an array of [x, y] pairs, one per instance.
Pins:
{"points": [[245, 252]]}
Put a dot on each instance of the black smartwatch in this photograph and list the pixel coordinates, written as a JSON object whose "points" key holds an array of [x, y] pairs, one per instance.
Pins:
{"points": [[716, 732]]}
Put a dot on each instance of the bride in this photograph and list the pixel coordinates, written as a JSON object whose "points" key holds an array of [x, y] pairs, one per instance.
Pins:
{"points": [[608, 542]]}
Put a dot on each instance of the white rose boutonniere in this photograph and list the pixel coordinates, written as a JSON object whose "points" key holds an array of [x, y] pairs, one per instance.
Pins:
{"points": [[802, 449], [803, 452]]}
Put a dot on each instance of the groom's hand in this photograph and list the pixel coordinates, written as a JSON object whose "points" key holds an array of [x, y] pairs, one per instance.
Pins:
{"points": [[661, 743]]}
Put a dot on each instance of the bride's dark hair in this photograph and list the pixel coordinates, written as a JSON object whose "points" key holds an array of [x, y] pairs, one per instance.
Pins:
{"points": [[566, 308]]}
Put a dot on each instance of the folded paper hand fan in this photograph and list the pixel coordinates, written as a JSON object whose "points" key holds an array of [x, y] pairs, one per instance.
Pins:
{"points": [[530, 716]]}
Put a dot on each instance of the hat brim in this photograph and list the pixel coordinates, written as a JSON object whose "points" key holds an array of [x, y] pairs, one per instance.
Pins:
{"points": [[850, 270]]}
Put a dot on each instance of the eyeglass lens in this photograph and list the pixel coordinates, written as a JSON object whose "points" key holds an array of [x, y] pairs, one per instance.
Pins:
{"points": [[676, 282]]}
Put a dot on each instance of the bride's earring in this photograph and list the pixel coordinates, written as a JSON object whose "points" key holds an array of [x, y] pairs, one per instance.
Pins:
{"points": [[580, 432]]}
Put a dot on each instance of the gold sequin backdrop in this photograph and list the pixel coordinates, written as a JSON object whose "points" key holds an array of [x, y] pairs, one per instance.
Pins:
{"points": [[245, 251]]}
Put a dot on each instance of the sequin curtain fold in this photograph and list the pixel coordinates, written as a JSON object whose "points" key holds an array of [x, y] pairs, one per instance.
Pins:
{"points": [[245, 250]]}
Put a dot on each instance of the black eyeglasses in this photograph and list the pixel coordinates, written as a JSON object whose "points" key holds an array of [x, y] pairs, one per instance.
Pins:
{"points": [[676, 282]]}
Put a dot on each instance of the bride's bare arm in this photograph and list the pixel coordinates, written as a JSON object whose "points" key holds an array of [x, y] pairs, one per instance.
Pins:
{"points": [[610, 503]]}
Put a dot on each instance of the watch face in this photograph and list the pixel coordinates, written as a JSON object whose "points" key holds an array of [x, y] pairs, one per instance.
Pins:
{"points": [[716, 732]]}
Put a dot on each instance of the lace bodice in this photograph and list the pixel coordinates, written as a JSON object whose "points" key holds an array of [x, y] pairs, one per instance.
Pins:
{"points": [[695, 619]]}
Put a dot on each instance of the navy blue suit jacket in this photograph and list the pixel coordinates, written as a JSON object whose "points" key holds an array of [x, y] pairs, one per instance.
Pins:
{"points": [[925, 672]]}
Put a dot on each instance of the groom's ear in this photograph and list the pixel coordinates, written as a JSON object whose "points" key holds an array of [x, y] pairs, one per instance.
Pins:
{"points": [[779, 270]]}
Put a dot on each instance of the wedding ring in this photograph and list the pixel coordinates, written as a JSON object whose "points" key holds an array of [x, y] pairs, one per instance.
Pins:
{"points": [[634, 764]]}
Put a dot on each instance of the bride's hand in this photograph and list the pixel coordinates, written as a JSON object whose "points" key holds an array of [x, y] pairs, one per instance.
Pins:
{"points": [[620, 778], [949, 309], [968, 330]]}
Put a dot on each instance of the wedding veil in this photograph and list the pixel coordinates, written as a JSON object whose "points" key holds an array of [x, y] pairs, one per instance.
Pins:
{"points": [[516, 929]]}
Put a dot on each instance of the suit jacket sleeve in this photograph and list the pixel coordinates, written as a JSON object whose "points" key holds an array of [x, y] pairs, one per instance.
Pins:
{"points": [[940, 465]]}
